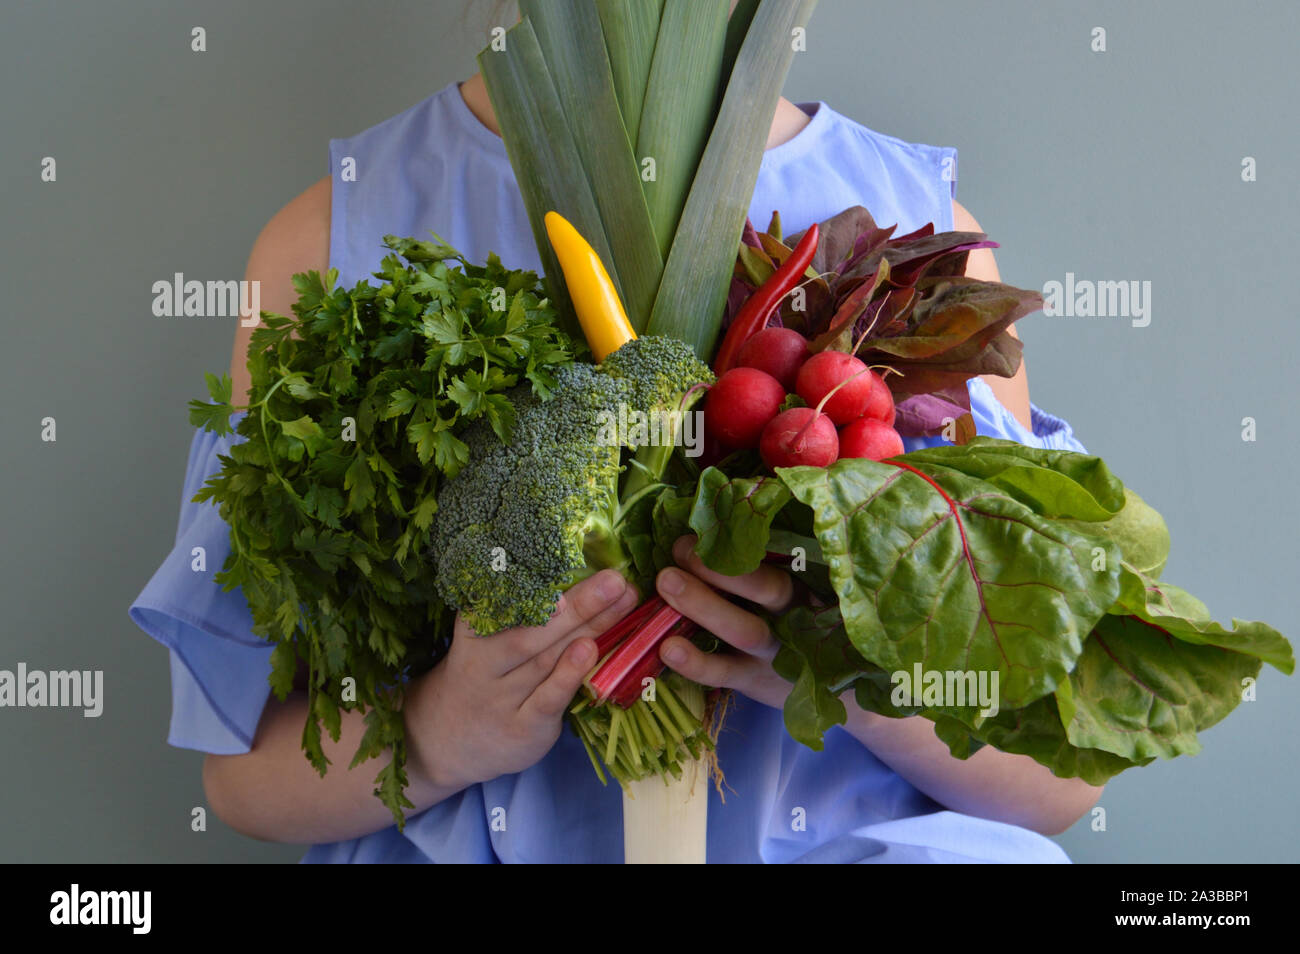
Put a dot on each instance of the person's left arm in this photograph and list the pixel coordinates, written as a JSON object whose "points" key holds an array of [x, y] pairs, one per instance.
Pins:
{"points": [[990, 784]]}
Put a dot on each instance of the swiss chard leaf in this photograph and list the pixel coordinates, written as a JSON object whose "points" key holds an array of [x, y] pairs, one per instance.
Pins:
{"points": [[1177, 613], [817, 657], [1138, 693], [732, 519], [1053, 483], [936, 567], [977, 557], [1140, 533], [649, 530], [1037, 731]]}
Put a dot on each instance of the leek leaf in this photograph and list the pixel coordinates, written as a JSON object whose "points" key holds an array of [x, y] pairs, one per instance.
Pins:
{"points": [[737, 28], [542, 152], [631, 28], [680, 104], [570, 37], [698, 272]]}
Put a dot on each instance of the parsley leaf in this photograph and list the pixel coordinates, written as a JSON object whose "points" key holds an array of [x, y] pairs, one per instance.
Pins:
{"points": [[353, 415]]}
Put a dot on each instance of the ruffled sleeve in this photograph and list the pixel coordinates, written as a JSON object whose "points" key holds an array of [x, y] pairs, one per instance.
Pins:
{"points": [[992, 419], [219, 667]]}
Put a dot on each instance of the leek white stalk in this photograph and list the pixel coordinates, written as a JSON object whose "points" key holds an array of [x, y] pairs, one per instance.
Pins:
{"points": [[667, 824]]}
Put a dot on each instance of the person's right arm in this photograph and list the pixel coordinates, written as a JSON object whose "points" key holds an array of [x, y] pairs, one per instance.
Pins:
{"points": [[491, 707], [297, 239]]}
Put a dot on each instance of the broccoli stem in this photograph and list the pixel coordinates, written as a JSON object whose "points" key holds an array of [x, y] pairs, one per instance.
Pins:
{"points": [[604, 551], [645, 471], [646, 468]]}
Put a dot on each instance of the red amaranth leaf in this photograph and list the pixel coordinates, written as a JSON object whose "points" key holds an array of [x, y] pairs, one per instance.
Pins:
{"points": [[902, 301]]}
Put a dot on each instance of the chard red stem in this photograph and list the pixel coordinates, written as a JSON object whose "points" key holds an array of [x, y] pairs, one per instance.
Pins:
{"points": [[628, 624], [629, 690], [631, 651], [650, 666]]}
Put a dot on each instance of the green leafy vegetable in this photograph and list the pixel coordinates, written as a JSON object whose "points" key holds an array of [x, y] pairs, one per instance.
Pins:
{"points": [[997, 557], [1139, 694], [934, 566], [1036, 731], [697, 271], [1140, 533], [1176, 612], [817, 657], [733, 519], [523, 521], [356, 412]]}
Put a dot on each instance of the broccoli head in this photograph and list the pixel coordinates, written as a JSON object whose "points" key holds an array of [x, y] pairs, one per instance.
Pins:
{"points": [[523, 521], [663, 373]]}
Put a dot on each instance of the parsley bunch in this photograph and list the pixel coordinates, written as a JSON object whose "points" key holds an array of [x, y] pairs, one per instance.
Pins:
{"points": [[352, 423]]}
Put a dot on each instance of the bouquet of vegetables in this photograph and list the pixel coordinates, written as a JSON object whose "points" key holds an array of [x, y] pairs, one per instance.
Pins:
{"points": [[462, 439]]}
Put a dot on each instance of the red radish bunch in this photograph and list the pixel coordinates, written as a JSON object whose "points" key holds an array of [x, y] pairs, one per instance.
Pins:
{"points": [[850, 411], [739, 406], [839, 379], [867, 437], [781, 352], [801, 436]]}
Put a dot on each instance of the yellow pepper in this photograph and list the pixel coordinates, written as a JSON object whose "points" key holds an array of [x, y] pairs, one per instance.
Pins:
{"points": [[595, 299]]}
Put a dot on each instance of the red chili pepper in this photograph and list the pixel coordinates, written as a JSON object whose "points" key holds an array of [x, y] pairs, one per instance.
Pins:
{"points": [[753, 315]]}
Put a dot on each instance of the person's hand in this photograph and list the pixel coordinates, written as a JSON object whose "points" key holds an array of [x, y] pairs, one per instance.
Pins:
{"points": [[748, 669], [494, 705]]}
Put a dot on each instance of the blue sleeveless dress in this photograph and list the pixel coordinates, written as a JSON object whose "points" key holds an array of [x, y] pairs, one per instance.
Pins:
{"points": [[436, 167]]}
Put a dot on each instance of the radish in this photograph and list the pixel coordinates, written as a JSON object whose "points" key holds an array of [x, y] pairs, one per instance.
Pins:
{"points": [[870, 438], [880, 406], [801, 436], [778, 351], [843, 374], [739, 406]]}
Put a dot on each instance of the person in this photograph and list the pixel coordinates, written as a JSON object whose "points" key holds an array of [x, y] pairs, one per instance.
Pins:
{"points": [[494, 774]]}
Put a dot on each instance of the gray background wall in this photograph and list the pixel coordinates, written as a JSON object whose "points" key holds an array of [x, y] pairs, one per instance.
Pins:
{"points": [[1120, 165]]}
